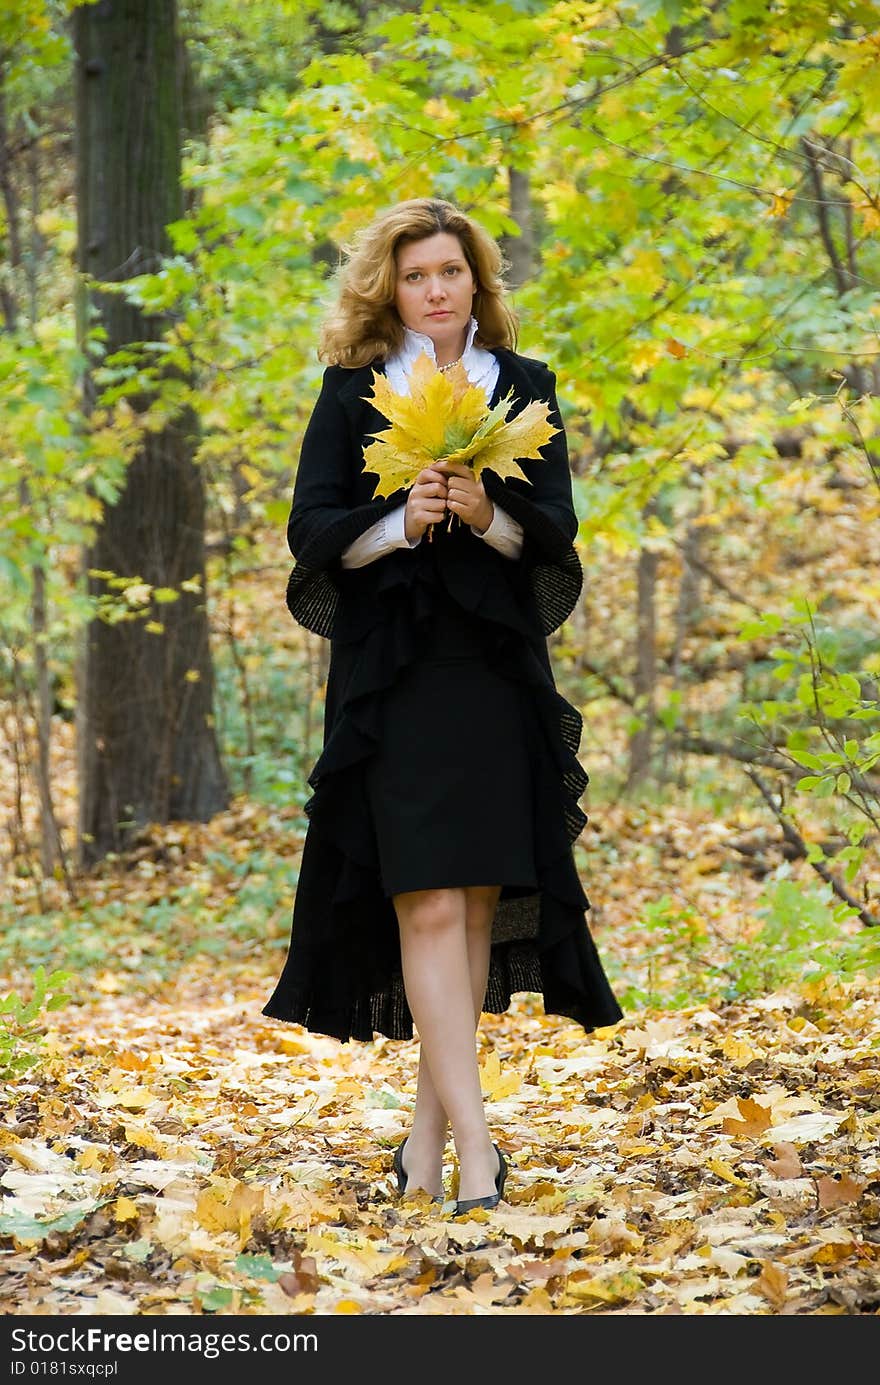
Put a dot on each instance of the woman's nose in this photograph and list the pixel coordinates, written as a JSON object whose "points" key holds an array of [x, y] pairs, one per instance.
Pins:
{"points": [[436, 288]]}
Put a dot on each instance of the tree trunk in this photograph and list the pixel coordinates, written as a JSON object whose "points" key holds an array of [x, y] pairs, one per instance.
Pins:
{"points": [[520, 250], [146, 742], [50, 837], [688, 605], [8, 304], [645, 681]]}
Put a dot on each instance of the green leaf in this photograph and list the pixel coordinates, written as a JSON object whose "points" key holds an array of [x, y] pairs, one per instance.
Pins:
{"points": [[807, 758], [258, 1266], [32, 1229], [217, 1298]]}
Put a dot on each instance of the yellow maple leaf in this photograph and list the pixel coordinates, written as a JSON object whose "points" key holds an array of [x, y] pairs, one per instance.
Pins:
{"points": [[495, 1084], [229, 1206], [146, 1138], [417, 418], [517, 439], [752, 1118], [134, 1098], [606, 1288], [738, 1050], [723, 1170], [447, 419], [125, 1210]]}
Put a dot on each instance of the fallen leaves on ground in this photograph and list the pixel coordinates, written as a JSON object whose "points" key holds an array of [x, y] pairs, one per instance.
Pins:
{"points": [[180, 1154]]}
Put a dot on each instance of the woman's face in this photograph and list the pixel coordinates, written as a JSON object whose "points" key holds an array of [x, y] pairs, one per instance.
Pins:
{"points": [[434, 292]]}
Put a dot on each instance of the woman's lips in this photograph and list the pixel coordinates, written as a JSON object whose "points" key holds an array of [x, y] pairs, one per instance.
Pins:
{"points": [[443, 313]]}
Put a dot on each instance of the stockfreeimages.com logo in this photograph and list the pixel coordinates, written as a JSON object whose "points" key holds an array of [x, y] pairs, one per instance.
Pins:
{"points": [[94, 1340]]}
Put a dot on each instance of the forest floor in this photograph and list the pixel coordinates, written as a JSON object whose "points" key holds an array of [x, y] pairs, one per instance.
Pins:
{"points": [[174, 1152]]}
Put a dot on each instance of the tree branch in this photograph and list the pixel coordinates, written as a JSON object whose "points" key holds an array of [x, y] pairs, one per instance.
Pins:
{"points": [[823, 218], [796, 841]]}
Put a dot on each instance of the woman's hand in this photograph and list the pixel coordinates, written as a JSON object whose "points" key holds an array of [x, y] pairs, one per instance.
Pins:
{"points": [[466, 497], [426, 502]]}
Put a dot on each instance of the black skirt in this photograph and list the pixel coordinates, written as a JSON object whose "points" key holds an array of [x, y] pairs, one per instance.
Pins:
{"points": [[449, 759], [450, 788]]}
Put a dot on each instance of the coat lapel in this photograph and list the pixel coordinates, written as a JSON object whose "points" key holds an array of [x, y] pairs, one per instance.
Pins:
{"points": [[514, 375]]}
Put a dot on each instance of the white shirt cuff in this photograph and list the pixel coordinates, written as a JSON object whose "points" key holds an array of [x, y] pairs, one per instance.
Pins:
{"points": [[395, 529], [504, 533], [382, 537]]}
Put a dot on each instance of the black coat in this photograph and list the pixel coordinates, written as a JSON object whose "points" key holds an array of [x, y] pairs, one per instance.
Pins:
{"points": [[342, 975]]}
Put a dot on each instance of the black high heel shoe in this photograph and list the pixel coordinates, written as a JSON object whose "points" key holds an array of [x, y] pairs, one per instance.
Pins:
{"points": [[491, 1199], [397, 1165], [400, 1172]]}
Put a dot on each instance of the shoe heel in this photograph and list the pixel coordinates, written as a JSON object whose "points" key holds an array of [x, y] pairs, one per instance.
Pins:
{"points": [[400, 1172], [493, 1199], [397, 1165], [501, 1178]]}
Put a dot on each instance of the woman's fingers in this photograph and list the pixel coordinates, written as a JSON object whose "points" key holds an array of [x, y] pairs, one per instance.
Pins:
{"points": [[464, 490], [457, 469], [443, 487], [430, 482]]}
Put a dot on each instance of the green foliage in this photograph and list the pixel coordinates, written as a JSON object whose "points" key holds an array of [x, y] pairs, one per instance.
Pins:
{"points": [[826, 719], [672, 959], [803, 938], [806, 934], [682, 290], [22, 1031]]}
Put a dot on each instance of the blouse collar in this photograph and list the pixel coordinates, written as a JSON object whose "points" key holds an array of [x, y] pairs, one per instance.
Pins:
{"points": [[481, 367]]}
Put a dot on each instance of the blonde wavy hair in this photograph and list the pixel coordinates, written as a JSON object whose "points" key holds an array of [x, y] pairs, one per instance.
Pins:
{"points": [[364, 324]]}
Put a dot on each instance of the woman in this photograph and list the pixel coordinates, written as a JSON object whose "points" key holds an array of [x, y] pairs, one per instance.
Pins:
{"points": [[437, 876]]}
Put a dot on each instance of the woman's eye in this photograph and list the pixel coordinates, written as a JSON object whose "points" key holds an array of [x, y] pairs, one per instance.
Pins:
{"points": [[452, 269], [412, 276]]}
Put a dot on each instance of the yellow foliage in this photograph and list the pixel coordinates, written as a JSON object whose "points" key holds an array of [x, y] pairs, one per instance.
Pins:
{"points": [[446, 419], [495, 1084], [135, 1098], [645, 271], [738, 1050], [723, 1170], [645, 355], [125, 1210], [560, 198]]}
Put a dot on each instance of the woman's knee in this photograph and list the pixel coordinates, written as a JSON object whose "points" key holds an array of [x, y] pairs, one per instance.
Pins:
{"points": [[483, 894], [480, 905], [430, 911]]}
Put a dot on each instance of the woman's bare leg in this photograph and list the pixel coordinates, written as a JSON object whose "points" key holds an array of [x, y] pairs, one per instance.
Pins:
{"points": [[425, 1144], [480, 902], [445, 934]]}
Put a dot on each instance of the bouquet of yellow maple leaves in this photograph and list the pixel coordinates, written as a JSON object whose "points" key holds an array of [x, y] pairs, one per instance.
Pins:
{"points": [[447, 419]]}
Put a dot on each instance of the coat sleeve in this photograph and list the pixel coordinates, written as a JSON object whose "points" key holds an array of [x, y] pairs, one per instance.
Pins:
{"points": [[329, 509], [544, 507], [325, 516]]}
